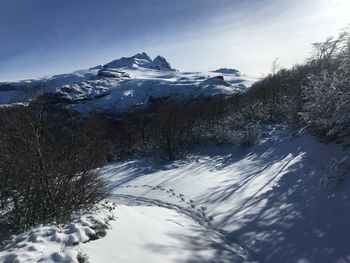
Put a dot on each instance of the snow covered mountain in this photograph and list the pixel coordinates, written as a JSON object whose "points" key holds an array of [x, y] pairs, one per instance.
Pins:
{"points": [[141, 60], [126, 82]]}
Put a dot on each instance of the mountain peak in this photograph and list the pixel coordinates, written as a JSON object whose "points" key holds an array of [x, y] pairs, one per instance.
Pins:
{"points": [[142, 55], [141, 60], [160, 63]]}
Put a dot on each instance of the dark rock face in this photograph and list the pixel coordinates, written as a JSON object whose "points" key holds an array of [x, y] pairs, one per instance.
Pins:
{"points": [[230, 71], [112, 73], [215, 81], [160, 63], [142, 55], [140, 60]]}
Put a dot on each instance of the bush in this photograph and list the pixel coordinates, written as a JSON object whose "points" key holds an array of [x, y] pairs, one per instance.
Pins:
{"points": [[326, 92], [337, 170], [46, 168], [250, 135], [82, 257]]}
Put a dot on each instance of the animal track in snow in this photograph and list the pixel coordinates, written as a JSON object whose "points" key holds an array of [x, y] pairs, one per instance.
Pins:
{"points": [[181, 198]]}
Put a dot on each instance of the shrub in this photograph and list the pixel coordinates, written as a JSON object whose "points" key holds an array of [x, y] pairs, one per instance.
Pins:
{"points": [[337, 170], [46, 168], [250, 135]]}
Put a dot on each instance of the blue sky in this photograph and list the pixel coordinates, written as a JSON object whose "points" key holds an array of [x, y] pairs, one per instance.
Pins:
{"points": [[44, 37]]}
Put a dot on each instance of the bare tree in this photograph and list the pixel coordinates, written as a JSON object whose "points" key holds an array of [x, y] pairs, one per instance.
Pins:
{"points": [[46, 167]]}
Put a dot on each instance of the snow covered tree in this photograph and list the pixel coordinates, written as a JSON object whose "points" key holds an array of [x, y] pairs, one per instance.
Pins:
{"points": [[326, 94]]}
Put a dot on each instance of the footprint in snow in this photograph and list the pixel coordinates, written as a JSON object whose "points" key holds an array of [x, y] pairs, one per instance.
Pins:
{"points": [[201, 211], [197, 214]]}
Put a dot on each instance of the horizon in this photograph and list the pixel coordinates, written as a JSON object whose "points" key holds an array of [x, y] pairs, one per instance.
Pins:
{"points": [[192, 35]]}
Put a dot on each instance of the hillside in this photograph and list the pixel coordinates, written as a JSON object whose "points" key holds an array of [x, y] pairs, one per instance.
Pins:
{"points": [[126, 82]]}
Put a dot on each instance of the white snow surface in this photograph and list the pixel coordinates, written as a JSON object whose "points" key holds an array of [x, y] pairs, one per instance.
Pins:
{"points": [[124, 83], [145, 234], [267, 198], [137, 234]]}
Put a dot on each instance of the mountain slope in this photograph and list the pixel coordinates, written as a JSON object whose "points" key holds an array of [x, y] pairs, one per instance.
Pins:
{"points": [[125, 82]]}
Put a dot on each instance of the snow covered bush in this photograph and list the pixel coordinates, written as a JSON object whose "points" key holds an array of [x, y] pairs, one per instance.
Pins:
{"points": [[217, 132], [327, 105], [82, 257], [321, 95], [337, 170], [232, 129], [326, 93], [58, 242], [250, 135]]}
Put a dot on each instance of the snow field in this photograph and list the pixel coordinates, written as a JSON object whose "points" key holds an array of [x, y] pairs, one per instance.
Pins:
{"points": [[154, 234], [268, 199]]}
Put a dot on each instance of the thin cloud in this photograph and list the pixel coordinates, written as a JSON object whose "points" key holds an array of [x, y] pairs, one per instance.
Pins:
{"points": [[193, 35]]}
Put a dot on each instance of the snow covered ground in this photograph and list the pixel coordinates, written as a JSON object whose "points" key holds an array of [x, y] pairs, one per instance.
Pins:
{"points": [[261, 204], [142, 234], [267, 198]]}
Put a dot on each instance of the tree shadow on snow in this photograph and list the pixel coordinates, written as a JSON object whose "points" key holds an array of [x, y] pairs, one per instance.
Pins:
{"points": [[121, 174], [272, 202], [200, 248], [287, 216]]}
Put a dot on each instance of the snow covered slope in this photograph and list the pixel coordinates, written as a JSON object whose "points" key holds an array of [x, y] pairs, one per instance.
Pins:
{"points": [[137, 234], [125, 82], [262, 204], [267, 198], [156, 235]]}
